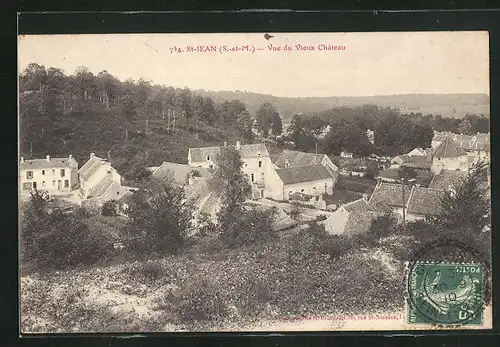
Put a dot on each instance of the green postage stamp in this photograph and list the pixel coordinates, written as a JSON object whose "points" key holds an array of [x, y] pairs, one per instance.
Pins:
{"points": [[445, 293]]}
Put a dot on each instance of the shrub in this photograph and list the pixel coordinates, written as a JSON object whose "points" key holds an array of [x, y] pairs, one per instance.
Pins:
{"points": [[51, 238], [249, 227], [321, 217], [199, 301], [109, 208]]}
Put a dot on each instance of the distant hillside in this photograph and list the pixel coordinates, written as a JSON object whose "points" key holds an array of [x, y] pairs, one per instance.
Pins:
{"points": [[447, 105]]}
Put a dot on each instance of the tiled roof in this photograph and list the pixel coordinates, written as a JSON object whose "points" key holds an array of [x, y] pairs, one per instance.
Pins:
{"points": [[447, 149], [247, 151], [297, 158], [300, 174], [359, 223], [179, 172], [91, 166], [108, 189], [394, 174], [54, 163], [425, 201], [390, 194], [416, 161], [360, 205], [446, 179]]}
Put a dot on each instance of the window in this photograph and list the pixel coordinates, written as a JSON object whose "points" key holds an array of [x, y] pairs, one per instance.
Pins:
{"points": [[260, 163], [117, 193], [53, 172], [43, 184], [66, 183], [53, 183], [63, 172], [211, 166], [109, 172], [302, 190], [314, 187], [253, 178], [208, 157], [246, 165], [43, 172], [34, 185], [27, 186], [29, 174]]}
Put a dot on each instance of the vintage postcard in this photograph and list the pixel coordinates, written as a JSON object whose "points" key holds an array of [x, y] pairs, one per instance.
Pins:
{"points": [[254, 182]]}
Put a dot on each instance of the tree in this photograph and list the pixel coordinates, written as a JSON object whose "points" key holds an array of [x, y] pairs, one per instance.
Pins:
{"points": [[267, 118], [466, 206], [465, 127], [276, 125], [160, 217], [229, 181]]}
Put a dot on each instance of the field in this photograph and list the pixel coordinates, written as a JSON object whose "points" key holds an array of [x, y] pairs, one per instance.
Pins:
{"points": [[209, 289]]}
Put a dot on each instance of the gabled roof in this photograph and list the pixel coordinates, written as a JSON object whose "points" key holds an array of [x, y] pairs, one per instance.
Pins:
{"points": [[425, 201], [53, 163], [390, 194], [91, 166], [179, 172], [447, 149], [297, 158], [247, 151], [108, 189], [359, 218], [299, 174], [447, 179]]}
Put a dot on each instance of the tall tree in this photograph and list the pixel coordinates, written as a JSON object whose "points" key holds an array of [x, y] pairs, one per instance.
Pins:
{"points": [[264, 118], [160, 217]]}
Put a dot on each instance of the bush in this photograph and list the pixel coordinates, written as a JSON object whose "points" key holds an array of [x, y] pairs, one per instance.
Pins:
{"points": [[109, 208], [198, 301], [52, 239], [254, 226], [295, 211]]}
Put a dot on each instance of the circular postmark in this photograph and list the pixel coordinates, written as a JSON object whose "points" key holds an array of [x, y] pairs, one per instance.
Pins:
{"points": [[448, 283]]}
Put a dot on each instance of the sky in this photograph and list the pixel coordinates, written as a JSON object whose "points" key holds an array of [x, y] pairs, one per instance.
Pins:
{"points": [[371, 63]]}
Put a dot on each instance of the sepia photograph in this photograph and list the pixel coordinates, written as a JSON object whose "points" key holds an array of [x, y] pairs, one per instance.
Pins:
{"points": [[254, 182]]}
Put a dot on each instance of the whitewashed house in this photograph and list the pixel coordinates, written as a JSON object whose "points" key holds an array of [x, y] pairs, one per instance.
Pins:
{"points": [[313, 180], [353, 218], [55, 175], [100, 182], [344, 154]]}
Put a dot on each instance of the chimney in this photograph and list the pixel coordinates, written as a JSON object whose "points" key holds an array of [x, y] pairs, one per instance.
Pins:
{"points": [[70, 157], [92, 155], [191, 179], [365, 196], [22, 160], [238, 145], [287, 163], [48, 158], [225, 144]]}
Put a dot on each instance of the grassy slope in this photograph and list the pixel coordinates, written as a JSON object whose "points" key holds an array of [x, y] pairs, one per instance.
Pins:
{"points": [[253, 284]]}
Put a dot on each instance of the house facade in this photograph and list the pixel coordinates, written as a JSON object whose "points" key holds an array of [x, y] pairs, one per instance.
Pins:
{"points": [[55, 175], [311, 180], [256, 163], [99, 180]]}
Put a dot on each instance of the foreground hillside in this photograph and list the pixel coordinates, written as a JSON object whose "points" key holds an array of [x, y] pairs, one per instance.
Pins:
{"points": [[209, 289]]}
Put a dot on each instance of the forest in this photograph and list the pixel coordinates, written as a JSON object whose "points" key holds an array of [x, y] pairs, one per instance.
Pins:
{"points": [[133, 123], [395, 132]]}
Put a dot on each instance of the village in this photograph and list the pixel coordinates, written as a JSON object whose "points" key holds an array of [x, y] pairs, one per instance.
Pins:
{"points": [[302, 186]]}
